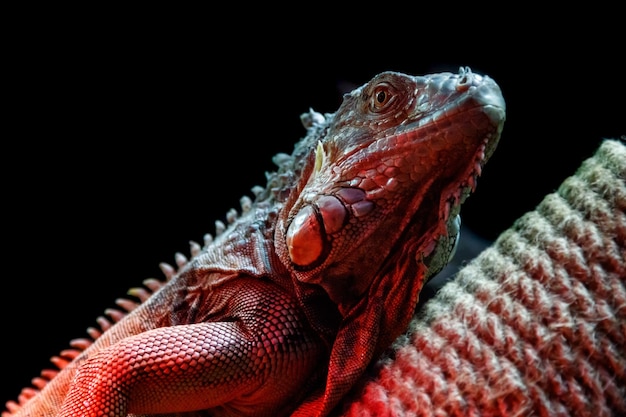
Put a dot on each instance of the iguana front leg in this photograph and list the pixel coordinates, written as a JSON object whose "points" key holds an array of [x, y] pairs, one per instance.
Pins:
{"points": [[259, 352]]}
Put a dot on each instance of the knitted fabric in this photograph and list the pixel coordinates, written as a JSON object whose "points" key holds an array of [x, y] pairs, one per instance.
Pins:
{"points": [[534, 326]]}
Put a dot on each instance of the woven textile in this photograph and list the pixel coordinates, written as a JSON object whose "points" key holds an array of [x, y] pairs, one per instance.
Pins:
{"points": [[534, 326]]}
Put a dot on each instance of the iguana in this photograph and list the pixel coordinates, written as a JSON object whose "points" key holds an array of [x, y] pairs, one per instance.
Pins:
{"points": [[282, 311]]}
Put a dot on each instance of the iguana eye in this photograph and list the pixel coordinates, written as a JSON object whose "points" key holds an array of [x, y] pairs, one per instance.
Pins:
{"points": [[381, 98]]}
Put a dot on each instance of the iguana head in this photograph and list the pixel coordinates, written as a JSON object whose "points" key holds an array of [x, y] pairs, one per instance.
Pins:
{"points": [[387, 180], [374, 211]]}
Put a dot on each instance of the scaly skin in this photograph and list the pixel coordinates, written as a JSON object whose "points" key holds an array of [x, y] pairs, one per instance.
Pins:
{"points": [[283, 311]]}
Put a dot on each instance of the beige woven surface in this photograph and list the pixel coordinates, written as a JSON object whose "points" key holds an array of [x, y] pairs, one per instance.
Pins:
{"points": [[534, 326]]}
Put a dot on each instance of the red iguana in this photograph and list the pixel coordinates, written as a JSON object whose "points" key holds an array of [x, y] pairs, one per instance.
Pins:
{"points": [[283, 311]]}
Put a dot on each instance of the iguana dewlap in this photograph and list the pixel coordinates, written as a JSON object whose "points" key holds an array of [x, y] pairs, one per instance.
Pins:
{"points": [[282, 312]]}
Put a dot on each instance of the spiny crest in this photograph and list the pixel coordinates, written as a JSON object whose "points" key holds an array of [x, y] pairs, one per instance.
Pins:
{"points": [[279, 185], [281, 182], [111, 316]]}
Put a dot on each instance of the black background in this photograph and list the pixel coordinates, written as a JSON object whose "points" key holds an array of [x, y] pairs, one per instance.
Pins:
{"points": [[130, 133]]}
